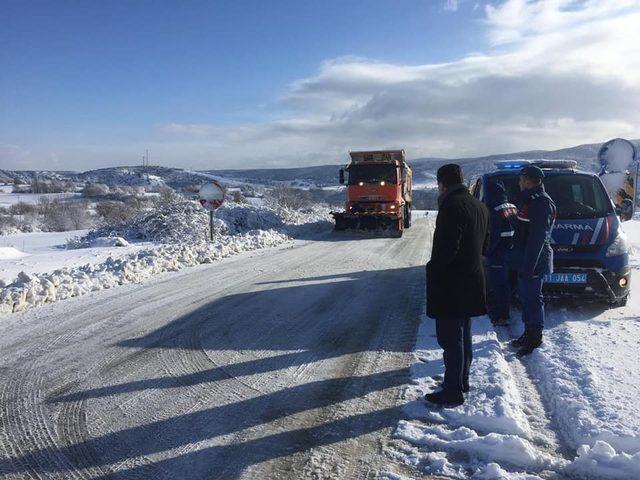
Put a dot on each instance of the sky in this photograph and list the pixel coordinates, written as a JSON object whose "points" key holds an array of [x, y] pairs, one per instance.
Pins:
{"points": [[275, 83]]}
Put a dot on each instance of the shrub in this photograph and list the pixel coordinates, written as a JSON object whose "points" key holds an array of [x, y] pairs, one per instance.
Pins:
{"points": [[288, 197], [61, 216], [93, 190]]}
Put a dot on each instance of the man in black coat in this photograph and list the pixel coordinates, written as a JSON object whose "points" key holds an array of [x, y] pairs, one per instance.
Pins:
{"points": [[455, 280]]}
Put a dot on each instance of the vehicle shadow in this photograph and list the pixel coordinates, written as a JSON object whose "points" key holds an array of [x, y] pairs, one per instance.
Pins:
{"points": [[288, 318]]}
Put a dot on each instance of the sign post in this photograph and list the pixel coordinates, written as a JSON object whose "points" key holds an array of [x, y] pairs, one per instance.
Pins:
{"points": [[211, 197]]}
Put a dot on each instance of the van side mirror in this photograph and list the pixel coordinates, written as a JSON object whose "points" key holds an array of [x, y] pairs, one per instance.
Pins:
{"points": [[626, 210], [341, 176]]}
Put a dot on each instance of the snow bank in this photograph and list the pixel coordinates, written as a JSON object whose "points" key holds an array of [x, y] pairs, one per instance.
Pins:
{"points": [[491, 437], [175, 222], [36, 289], [10, 253], [186, 222], [505, 449], [568, 383], [178, 231], [602, 462], [491, 426], [494, 404]]}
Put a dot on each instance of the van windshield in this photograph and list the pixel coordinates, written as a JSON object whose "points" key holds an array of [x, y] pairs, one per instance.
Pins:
{"points": [[373, 173], [575, 195]]}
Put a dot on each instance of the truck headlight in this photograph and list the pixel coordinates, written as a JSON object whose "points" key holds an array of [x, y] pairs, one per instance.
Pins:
{"points": [[392, 207], [620, 245]]}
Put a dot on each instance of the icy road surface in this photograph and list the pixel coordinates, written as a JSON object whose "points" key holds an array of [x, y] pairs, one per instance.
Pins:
{"points": [[285, 363]]}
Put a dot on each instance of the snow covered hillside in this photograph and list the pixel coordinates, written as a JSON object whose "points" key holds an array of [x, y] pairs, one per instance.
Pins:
{"points": [[571, 409], [321, 176]]}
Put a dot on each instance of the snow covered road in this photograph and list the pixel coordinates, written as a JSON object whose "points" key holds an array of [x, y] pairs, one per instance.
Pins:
{"points": [[289, 362]]}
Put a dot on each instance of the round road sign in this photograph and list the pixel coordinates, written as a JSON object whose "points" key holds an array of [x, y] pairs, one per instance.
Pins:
{"points": [[211, 195]]}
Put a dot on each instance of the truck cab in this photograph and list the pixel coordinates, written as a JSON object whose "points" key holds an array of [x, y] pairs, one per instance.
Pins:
{"points": [[591, 252]]}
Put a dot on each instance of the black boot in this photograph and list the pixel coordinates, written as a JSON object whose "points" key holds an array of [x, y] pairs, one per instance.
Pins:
{"points": [[445, 398], [465, 386], [532, 341], [521, 340]]}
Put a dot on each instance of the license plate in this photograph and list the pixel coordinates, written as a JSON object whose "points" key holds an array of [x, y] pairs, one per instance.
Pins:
{"points": [[566, 278]]}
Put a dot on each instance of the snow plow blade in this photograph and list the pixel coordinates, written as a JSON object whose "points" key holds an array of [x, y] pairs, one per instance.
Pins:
{"points": [[367, 223]]}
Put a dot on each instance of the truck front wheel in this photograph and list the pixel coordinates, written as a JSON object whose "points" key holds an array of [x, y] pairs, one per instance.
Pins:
{"points": [[407, 215]]}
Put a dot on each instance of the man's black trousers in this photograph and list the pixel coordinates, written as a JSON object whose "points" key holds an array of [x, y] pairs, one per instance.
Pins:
{"points": [[454, 337]]}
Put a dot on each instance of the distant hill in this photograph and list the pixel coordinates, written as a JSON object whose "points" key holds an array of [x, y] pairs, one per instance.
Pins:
{"points": [[424, 168], [320, 176]]}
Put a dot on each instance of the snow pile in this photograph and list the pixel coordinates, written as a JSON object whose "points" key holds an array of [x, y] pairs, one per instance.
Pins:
{"points": [[241, 217], [171, 222], [505, 449], [10, 253], [432, 463], [187, 222], [109, 242], [493, 471], [237, 218], [36, 289], [602, 462]]}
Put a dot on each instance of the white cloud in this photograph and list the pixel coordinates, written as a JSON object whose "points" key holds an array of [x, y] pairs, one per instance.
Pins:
{"points": [[569, 74], [561, 72], [512, 20]]}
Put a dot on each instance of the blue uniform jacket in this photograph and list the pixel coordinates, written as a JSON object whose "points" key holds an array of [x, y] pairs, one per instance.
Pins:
{"points": [[532, 253], [502, 216]]}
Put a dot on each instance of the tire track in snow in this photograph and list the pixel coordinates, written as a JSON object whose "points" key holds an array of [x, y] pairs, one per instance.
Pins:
{"points": [[546, 434]]}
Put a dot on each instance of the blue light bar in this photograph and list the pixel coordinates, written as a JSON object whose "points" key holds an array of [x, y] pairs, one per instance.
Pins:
{"points": [[519, 164], [512, 164]]}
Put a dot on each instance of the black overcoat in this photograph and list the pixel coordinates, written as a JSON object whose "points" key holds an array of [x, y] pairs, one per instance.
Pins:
{"points": [[455, 273]]}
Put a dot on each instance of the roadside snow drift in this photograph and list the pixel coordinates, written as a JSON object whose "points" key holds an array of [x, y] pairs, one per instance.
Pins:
{"points": [[178, 232], [570, 408]]}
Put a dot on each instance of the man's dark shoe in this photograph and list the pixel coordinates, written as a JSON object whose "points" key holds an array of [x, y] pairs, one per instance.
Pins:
{"points": [[521, 340], [533, 341], [445, 398], [465, 388]]}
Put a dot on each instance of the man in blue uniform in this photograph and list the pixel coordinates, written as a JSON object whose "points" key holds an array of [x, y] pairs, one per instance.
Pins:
{"points": [[532, 254], [502, 215]]}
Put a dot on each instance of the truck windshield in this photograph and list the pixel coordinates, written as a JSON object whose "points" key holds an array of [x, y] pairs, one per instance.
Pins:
{"points": [[373, 173], [575, 195]]}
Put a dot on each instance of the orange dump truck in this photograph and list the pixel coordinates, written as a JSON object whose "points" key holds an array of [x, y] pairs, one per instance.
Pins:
{"points": [[378, 192]]}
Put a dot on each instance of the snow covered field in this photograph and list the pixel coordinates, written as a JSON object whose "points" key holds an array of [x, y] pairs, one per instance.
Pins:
{"points": [[41, 252], [571, 409], [7, 198]]}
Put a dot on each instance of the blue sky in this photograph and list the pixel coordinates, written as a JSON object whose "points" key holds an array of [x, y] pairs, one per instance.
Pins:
{"points": [[87, 84]]}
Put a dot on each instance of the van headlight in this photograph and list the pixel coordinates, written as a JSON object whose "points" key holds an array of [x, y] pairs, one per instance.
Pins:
{"points": [[620, 245]]}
